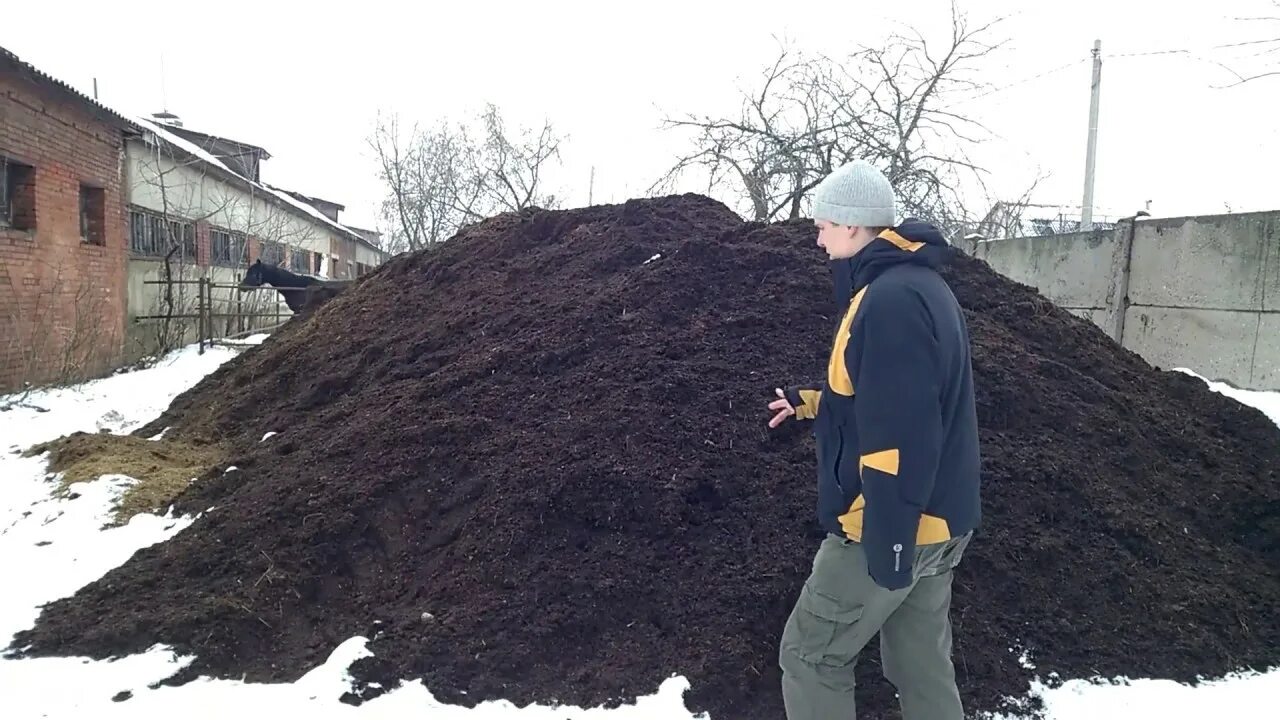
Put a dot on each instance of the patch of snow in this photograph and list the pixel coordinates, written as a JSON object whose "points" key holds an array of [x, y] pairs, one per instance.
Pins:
{"points": [[1025, 660], [268, 436], [1267, 402], [160, 435], [61, 546], [231, 468], [181, 143], [249, 341], [117, 404], [1241, 695], [655, 257]]}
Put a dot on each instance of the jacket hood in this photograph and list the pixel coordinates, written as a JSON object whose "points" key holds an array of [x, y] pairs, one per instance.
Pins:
{"points": [[914, 242]]}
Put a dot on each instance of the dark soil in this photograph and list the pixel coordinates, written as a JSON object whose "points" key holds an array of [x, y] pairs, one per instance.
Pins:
{"points": [[531, 466]]}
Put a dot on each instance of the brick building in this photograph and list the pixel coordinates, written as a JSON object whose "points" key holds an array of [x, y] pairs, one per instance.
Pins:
{"points": [[63, 236], [108, 222]]}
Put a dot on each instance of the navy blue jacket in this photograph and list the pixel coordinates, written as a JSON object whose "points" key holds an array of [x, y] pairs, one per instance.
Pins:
{"points": [[895, 421]]}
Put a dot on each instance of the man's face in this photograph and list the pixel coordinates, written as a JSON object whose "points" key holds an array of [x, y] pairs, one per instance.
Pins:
{"points": [[840, 241]]}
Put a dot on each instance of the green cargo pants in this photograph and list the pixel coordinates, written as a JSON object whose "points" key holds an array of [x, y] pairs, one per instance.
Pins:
{"points": [[841, 608]]}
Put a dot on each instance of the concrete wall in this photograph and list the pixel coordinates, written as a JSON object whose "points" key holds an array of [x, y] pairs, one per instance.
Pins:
{"points": [[1071, 269], [1197, 292]]}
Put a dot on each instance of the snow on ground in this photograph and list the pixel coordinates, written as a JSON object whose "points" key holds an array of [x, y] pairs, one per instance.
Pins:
{"points": [[58, 544], [1267, 402]]}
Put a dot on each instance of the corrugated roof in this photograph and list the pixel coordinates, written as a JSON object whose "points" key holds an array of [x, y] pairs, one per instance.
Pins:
{"points": [[239, 143], [141, 124], [163, 134], [102, 111]]}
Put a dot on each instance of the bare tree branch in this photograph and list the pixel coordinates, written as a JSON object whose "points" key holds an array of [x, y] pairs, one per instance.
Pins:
{"points": [[439, 180], [809, 114]]}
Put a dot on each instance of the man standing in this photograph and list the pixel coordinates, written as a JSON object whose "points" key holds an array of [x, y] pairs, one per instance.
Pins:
{"points": [[898, 465]]}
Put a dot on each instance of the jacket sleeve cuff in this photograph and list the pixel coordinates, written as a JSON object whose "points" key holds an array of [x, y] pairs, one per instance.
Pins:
{"points": [[805, 399], [889, 539], [880, 565]]}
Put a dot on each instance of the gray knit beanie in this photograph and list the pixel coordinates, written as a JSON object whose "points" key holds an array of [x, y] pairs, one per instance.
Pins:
{"points": [[855, 194]]}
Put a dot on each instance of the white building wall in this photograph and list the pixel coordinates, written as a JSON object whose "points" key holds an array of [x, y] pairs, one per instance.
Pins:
{"points": [[194, 192]]}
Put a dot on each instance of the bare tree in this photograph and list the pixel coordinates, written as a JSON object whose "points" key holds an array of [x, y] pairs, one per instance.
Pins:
{"points": [[810, 114], [1006, 218], [440, 179], [421, 176], [508, 170]]}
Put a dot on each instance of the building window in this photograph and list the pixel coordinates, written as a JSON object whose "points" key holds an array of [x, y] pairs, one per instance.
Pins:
{"points": [[272, 253], [317, 263], [151, 236], [227, 248], [299, 260], [17, 195], [93, 215]]}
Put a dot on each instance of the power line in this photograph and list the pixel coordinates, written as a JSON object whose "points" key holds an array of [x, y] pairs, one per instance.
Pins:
{"points": [[1023, 81], [1188, 52], [1179, 51]]}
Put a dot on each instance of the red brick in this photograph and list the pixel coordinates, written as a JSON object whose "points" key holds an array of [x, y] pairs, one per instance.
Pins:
{"points": [[42, 272]]}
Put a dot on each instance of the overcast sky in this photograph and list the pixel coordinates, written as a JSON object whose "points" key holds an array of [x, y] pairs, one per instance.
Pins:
{"points": [[307, 80]]}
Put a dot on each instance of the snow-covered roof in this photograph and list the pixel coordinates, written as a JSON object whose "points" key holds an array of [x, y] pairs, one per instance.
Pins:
{"points": [[190, 148], [134, 122]]}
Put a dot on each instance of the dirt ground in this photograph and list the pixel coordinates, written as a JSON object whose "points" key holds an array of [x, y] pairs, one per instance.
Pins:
{"points": [[532, 464]]}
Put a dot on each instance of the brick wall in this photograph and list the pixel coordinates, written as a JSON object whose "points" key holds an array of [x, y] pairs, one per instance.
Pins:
{"points": [[62, 299], [203, 252]]}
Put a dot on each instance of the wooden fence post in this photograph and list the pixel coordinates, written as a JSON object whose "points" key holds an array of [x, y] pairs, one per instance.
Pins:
{"points": [[200, 311]]}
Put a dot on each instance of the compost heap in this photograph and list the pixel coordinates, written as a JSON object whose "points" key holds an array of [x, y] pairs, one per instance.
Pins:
{"points": [[533, 464]]}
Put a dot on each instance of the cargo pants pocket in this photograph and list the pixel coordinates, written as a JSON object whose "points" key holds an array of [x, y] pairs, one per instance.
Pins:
{"points": [[823, 631]]}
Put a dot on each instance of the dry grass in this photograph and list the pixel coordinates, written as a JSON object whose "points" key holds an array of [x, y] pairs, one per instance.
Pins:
{"points": [[163, 468]]}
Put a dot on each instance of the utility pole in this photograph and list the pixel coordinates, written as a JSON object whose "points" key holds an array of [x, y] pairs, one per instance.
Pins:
{"points": [[1091, 157], [591, 187]]}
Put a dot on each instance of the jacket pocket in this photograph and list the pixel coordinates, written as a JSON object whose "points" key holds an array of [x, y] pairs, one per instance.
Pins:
{"points": [[838, 457]]}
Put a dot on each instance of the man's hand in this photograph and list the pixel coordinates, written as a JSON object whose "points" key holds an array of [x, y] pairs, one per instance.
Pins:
{"points": [[782, 409]]}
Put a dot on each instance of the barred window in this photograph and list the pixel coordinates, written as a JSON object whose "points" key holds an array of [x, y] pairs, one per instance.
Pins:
{"points": [[272, 253], [227, 248], [149, 237], [17, 195], [93, 215], [299, 260]]}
